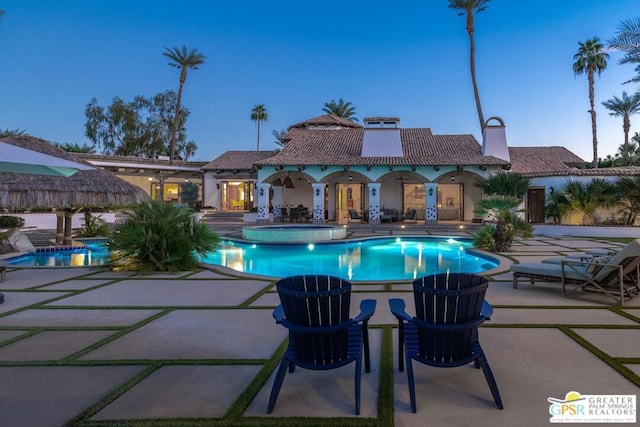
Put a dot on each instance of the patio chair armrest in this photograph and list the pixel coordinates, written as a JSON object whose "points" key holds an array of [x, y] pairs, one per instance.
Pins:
{"points": [[397, 306], [487, 310], [367, 308], [278, 314]]}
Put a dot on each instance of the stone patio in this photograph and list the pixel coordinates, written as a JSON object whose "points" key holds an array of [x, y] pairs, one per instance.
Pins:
{"points": [[93, 347]]}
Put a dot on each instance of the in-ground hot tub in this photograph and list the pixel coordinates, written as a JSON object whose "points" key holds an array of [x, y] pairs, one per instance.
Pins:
{"points": [[294, 233]]}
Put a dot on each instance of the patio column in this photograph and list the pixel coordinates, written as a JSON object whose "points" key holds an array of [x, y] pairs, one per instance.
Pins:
{"points": [[374, 202], [431, 203], [318, 202], [59, 227], [68, 218], [263, 202], [277, 203]]}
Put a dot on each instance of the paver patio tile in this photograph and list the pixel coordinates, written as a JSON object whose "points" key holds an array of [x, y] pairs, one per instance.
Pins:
{"points": [[76, 317], [541, 316], [34, 277], [461, 396], [17, 300], [75, 285], [614, 342], [323, 394], [199, 334], [36, 396], [7, 335], [51, 345], [169, 293], [182, 392], [209, 274]]}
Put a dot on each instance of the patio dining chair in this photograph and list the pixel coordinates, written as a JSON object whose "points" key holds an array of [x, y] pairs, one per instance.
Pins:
{"points": [[444, 331], [354, 215], [322, 336]]}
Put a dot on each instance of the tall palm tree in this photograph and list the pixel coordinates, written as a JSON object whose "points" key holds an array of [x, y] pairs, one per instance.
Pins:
{"points": [[259, 114], [469, 8], [185, 60], [340, 109], [627, 40], [624, 108], [279, 136], [590, 59]]}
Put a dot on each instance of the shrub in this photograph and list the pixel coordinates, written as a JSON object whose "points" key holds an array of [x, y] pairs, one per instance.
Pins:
{"points": [[160, 236], [7, 221], [94, 226]]}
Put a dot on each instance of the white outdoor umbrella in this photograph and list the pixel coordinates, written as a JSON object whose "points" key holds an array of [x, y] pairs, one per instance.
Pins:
{"points": [[21, 160]]}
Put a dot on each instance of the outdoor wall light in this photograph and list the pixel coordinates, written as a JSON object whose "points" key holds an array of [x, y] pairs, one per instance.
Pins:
{"points": [[374, 192], [262, 192], [317, 192], [453, 178], [350, 178], [551, 190], [430, 192], [218, 185]]}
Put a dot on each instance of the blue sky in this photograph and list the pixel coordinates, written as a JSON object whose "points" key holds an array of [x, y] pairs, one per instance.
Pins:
{"points": [[407, 59]]}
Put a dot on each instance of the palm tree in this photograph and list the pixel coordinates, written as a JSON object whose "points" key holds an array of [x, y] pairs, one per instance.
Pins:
{"points": [[469, 8], [279, 136], [629, 188], [627, 40], [588, 198], [624, 108], [11, 132], [590, 59], [259, 114], [185, 60], [340, 109], [504, 192]]}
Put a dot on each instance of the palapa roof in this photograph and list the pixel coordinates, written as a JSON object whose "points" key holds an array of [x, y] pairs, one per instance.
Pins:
{"points": [[94, 188], [542, 161], [344, 147]]}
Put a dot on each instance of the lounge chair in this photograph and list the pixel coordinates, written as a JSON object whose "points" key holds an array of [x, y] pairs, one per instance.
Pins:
{"points": [[617, 277], [354, 215], [322, 336], [410, 215], [444, 332]]}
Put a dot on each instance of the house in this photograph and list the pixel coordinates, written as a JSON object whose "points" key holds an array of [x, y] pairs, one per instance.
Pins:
{"points": [[332, 165]]}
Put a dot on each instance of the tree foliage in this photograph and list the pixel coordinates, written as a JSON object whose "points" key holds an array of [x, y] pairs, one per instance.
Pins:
{"points": [[185, 60], [70, 147], [11, 132], [503, 193], [588, 198], [625, 108], [259, 114], [141, 127], [160, 236], [340, 109], [591, 59], [627, 40], [279, 136], [469, 8]]}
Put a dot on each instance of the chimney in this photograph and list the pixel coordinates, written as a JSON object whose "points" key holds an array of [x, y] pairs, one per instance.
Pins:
{"points": [[494, 140], [382, 137]]}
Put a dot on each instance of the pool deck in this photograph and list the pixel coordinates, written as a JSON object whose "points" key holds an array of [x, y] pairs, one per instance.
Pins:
{"points": [[95, 347]]}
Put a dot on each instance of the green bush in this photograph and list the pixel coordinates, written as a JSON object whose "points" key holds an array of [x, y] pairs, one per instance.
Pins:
{"points": [[94, 226], [160, 236], [7, 221]]}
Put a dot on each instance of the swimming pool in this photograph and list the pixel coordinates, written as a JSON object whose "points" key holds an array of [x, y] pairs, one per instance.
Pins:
{"points": [[389, 258]]}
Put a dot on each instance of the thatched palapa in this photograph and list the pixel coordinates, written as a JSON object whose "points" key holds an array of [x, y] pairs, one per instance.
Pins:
{"points": [[94, 188]]}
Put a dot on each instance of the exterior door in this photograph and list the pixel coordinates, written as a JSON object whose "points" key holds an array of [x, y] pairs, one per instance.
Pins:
{"points": [[535, 205], [350, 196]]}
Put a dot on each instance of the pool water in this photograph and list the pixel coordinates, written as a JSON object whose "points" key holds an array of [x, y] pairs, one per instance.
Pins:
{"points": [[375, 259], [391, 258], [94, 254]]}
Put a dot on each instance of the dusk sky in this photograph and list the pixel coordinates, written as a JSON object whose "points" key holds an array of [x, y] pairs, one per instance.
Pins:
{"points": [[408, 59]]}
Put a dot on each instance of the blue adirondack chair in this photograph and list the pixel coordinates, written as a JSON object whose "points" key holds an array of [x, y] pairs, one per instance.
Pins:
{"points": [[444, 332], [322, 336]]}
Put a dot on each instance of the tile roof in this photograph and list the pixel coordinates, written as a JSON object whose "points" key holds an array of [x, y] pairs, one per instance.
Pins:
{"points": [[240, 160], [327, 120], [545, 160], [344, 147]]}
